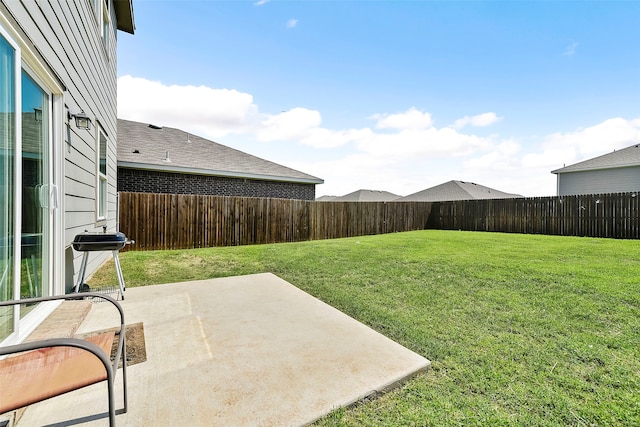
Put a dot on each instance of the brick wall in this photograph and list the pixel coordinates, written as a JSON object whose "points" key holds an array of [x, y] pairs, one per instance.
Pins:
{"points": [[146, 181]]}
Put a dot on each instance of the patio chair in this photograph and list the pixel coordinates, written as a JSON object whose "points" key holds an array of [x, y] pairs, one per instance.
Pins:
{"points": [[39, 370]]}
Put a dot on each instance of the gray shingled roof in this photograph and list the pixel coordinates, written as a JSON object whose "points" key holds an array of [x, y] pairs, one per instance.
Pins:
{"points": [[143, 146], [368, 196], [626, 157], [457, 190]]}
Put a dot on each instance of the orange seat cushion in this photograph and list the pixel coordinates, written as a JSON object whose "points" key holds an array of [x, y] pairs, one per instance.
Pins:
{"points": [[40, 374]]}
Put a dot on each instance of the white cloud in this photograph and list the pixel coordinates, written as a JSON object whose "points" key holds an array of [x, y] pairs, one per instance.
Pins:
{"points": [[548, 158], [292, 23], [325, 138], [528, 171], [212, 112], [480, 120], [261, 2], [410, 161], [410, 119], [403, 153], [361, 171], [289, 125], [500, 156], [412, 136], [423, 143], [571, 147]]}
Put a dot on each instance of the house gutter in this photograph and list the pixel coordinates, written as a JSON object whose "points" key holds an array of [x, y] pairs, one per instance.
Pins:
{"points": [[228, 174], [594, 168]]}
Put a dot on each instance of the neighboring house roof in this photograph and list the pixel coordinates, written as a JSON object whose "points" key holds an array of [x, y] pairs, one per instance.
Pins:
{"points": [[326, 198], [143, 146], [124, 15], [626, 157], [368, 196], [457, 190]]}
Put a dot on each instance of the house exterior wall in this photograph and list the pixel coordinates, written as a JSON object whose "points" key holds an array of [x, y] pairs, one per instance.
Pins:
{"points": [[150, 181], [67, 37], [618, 180]]}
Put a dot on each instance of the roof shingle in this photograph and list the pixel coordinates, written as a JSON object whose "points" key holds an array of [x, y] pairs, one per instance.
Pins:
{"points": [[163, 148], [626, 157], [457, 190], [368, 196]]}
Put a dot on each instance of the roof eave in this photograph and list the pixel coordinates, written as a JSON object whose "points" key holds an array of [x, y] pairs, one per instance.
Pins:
{"points": [[229, 174], [562, 170], [124, 15]]}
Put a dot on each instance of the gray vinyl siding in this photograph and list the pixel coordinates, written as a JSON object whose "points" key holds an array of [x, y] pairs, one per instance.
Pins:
{"points": [[617, 180], [68, 36]]}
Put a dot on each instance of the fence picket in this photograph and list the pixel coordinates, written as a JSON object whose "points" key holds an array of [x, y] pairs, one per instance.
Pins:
{"points": [[170, 221]]}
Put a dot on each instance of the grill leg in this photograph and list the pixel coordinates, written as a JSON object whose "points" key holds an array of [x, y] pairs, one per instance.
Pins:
{"points": [[116, 261], [81, 273]]}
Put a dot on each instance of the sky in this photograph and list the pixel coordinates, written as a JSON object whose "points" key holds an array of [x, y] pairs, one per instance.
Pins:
{"points": [[396, 96]]}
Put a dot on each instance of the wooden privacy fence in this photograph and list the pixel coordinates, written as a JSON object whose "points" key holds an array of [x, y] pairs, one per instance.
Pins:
{"points": [[597, 215], [178, 221]]}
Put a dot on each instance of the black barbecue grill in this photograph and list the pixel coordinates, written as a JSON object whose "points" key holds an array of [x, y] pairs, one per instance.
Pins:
{"points": [[95, 242], [92, 242]]}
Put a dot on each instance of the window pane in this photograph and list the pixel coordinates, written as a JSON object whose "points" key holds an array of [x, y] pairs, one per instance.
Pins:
{"points": [[102, 208], [102, 175], [106, 25], [7, 161], [103, 154]]}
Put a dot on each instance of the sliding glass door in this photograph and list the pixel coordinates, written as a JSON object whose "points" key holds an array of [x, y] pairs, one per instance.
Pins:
{"points": [[35, 189], [25, 188]]}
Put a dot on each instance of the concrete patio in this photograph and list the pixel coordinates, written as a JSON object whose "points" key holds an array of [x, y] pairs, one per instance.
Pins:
{"points": [[240, 351]]}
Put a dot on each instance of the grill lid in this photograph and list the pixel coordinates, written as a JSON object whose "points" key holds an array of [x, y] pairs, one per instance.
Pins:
{"points": [[87, 242]]}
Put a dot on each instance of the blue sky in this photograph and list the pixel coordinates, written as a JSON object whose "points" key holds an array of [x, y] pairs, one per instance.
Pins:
{"points": [[392, 95]]}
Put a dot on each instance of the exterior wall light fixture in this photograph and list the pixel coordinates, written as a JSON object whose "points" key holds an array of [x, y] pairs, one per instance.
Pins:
{"points": [[82, 120]]}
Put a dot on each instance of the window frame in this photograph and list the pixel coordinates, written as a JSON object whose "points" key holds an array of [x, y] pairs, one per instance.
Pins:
{"points": [[102, 179], [101, 11], [105, 24]]}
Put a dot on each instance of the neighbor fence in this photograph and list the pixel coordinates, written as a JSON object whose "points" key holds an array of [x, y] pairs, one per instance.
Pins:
{"points": [[177, 221], [613, 215]]}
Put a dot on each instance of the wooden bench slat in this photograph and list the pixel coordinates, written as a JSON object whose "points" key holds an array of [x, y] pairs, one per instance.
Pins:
{"points": [[40, 374]]}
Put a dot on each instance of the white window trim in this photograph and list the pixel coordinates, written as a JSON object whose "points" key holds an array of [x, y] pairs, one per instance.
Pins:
{"points": [[17, 174]]}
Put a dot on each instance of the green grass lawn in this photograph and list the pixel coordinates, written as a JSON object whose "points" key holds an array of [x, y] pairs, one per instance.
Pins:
{"points": [[520, 329]]}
